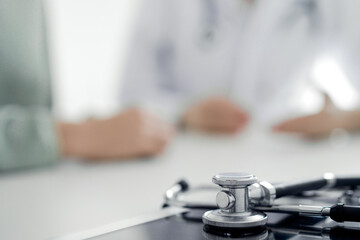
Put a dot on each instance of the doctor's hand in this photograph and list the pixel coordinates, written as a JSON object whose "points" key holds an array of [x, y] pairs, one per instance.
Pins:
{"points": [[133, 133], [323, 123], [217, 115]]}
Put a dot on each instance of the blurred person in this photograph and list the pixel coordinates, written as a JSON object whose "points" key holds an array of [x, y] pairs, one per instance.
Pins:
{"points": [[208, 64], [29, 135]]}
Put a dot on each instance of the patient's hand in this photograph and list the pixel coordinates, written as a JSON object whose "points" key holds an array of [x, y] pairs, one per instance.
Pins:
{"points": [[133, 133], [216, 114], [323, 123]]}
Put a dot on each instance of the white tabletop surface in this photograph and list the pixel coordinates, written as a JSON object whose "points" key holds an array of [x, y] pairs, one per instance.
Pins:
{"points": [[75, 196]]}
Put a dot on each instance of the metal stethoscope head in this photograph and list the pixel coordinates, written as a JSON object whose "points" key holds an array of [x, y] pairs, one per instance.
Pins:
{"points": [[233, 202]]}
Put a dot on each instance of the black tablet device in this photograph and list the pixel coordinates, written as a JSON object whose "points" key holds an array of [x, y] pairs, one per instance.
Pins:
{"points": [[185, 224]]}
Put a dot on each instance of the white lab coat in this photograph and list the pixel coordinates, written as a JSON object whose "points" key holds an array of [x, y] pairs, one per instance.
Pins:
{"points": [[336, 67], [187, 50]]}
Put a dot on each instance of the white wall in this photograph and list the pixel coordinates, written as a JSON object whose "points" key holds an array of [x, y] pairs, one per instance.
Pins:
{"points": [[88, 39]]}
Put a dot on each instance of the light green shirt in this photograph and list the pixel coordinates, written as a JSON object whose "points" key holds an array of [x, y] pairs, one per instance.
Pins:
{"points": [[27, 134]]}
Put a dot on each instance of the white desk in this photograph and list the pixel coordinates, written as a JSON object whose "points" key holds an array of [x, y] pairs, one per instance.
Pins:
{"points": [[74, 196]]}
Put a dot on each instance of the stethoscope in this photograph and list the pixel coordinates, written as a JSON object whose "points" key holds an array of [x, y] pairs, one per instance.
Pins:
{"points": [[210, 18], [242, 201], [209, 22]]}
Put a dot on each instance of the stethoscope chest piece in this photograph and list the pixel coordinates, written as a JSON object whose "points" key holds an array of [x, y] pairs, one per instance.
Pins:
{"points": [[234, 213]]}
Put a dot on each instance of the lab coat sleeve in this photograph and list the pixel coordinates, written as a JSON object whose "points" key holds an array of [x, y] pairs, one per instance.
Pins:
{"points": [[150, 81], [27, 137], [341, 37], [350, 41]]}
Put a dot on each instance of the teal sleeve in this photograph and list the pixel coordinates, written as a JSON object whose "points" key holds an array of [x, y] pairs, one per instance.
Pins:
{"points": [[27, 137]]}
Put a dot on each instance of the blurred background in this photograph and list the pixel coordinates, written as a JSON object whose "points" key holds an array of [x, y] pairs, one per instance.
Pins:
{"points": [[88, 42], [291, 94]]}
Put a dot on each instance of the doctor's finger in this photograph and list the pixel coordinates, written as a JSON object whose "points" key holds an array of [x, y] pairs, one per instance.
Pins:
{"points": [[313, 125], [229, 114], [228, 117], [155, 124], [225, 124], [154, 145], [226, 106], [159, 130]]}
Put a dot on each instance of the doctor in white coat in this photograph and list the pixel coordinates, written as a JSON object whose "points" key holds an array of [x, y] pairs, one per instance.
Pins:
{"points": [[211, 64]]}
